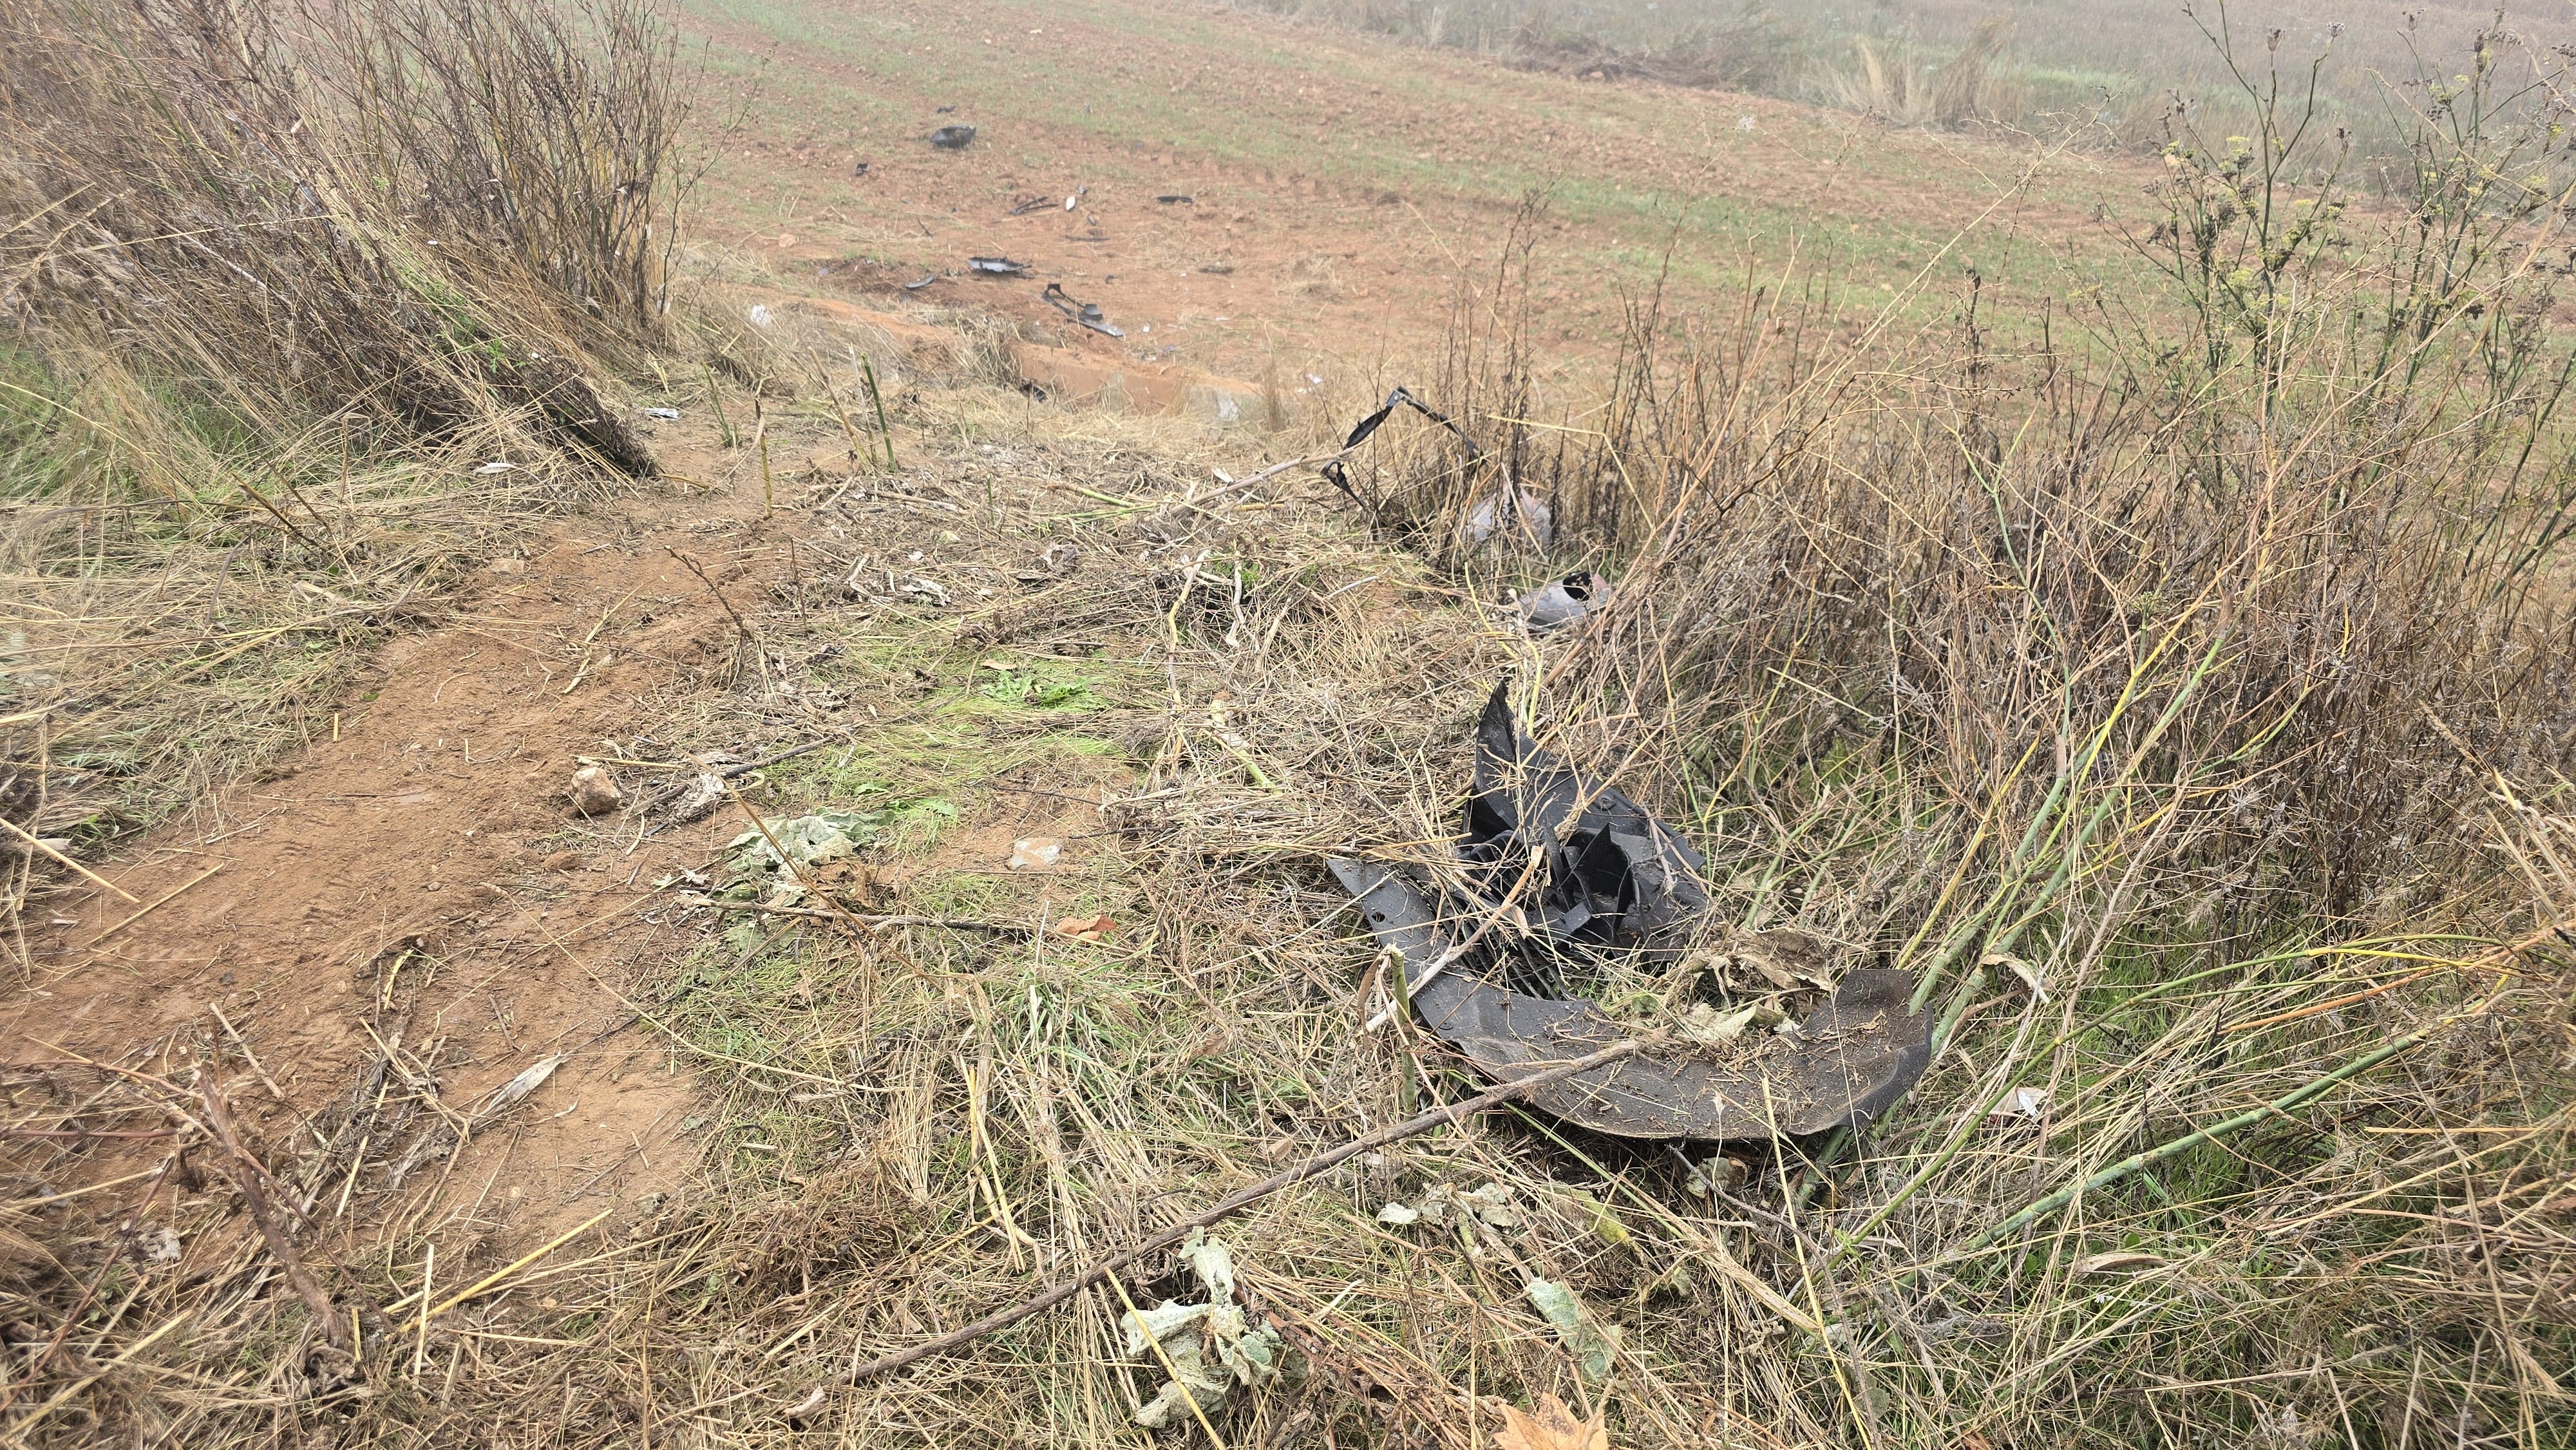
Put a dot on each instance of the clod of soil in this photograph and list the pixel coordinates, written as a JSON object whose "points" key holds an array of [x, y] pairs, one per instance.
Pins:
{"points": [[595, 792]]}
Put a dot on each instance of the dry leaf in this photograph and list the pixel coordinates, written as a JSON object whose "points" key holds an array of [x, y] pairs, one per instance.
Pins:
{"points": [[2116, 1263], [1550, 1427], [2029, 974], [1086, 928]]}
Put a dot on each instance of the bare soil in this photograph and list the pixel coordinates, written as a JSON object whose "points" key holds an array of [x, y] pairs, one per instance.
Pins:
{"points": [[1339, 194], [420, 874]]}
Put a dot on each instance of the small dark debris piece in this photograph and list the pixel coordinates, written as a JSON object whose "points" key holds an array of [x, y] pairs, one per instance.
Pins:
{"points": [[947, 110], [997, 266], [859, 170], [1610, 877], [1026, 204], [924, 282], [952, 138], [1086, 313], [1177, 198], [1360, 431]]}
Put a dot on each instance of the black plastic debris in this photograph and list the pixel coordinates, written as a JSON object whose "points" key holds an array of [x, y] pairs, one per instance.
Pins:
{"points": [[859, 170], [1086, 313], [1022, 206], [916, 286], [952, 138], [1361, 430], [1561, 602], [946, 110], [1555, 866], [1177, 198], [997, 266]]}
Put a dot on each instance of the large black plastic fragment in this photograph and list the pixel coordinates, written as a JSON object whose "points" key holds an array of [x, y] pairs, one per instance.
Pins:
{"points": [[1611, 877]]}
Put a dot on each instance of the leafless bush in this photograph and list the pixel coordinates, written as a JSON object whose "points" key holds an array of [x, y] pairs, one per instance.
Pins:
{"points": [[424, 214]]}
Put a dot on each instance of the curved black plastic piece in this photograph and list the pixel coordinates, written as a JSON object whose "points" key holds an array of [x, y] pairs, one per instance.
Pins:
{"points": [[1614, 877]]}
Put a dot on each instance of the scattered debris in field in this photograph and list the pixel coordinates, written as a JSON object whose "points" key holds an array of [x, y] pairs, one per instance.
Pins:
{"points": [[1714, 1175], [1561, 601], [595, 792], [1026, 204], [1035, 853], [2029, 974], [952, 138], [859, 170], [497, 465], [1079, 193], [1509, 508], [916, 286], [1557, 867], [2020, 1108], [1182, 1337], [1177, 198], [996, 266], [1564, 1313], [697, 800], [1613, 874], [1086, 313], [667, 415], [502, 1098]]}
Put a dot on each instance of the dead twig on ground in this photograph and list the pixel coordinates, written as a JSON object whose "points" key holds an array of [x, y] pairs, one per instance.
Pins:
{"points": [[248, 1172]]}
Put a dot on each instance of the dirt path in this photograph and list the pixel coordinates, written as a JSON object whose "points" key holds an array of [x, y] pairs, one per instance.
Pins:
{"points": [[417, 883]]}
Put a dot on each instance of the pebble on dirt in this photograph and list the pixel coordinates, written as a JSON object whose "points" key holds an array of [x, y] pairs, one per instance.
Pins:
{"points": [[595, 792]]}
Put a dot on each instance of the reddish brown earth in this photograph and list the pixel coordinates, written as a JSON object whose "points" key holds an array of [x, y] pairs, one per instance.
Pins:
{"points": [[1345, 193], [419, 879]]}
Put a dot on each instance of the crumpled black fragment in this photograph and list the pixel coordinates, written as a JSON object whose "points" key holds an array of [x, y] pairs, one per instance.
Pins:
{"points": [[1590, 871]]}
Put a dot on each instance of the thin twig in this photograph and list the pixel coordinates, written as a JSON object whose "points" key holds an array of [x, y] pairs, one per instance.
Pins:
{"points": [[163, 900], [247, 1172], [721, 602], [29, 837], [878, 923]]}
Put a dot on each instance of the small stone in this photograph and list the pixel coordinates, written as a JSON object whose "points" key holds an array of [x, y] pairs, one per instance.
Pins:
{"points": [[595, 792]]}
